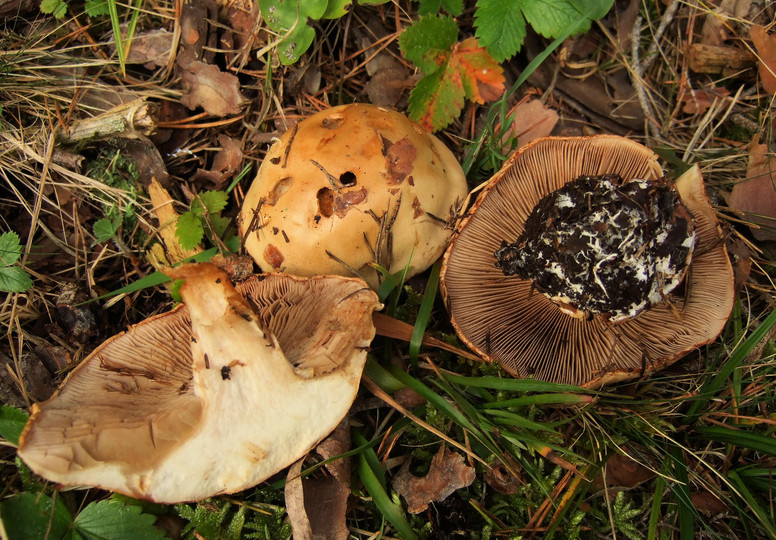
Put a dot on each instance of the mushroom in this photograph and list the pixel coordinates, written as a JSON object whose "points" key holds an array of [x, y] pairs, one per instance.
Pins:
{"points": [[558, 282], [350, 187], [212, 397]]}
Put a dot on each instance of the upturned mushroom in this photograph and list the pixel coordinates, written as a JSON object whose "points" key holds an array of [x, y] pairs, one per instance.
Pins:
{"points": [[210, 398], [579, 263], [350, 187]]}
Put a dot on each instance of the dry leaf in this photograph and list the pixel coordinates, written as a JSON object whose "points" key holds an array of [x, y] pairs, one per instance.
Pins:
{"points": [[502, 479], [708, 503], [210, 88], [316, 506], [623, 472], [531, 121], [225, 163], [756, 195], [447, 473], [699, 101], [151, 48], [716, 25], [766, 50]]}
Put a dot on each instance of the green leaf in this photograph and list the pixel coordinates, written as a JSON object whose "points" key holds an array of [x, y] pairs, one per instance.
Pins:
{"points": [[336, 9], [57, 8], [96, 8], [12, 421], [113, 520], [289, 19], [10, 248], [431, 7], [14, 279], [189, 230], [105, 229], [552, 17], [500, 27], [437, 99], [220, 224], [428, 42], [28, 516], [214, 201]]}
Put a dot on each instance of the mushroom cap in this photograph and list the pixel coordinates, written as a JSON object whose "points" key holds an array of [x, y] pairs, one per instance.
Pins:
{"points": [[502, 318], [212, 397], [350, 186]]}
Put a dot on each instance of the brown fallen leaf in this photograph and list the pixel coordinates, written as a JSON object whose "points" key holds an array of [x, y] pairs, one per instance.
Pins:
{"points": [[708, 503], [225, 164], [622, 472], [699, 101], [447, 473], [502, 479], [756, 195], [208, 87], [151, 48], [766, 51], [717, 23], [316, 506], [531, 121]]}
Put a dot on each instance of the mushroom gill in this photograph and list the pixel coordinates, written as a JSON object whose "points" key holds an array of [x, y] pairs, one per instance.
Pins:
{"points": [[505, 318]]}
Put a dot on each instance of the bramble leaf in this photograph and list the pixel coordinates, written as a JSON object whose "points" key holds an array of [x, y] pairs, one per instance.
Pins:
{"points": [[95, 8], [482, 77], [14, 279], [189, 230], [428, 41], [437, 99], [105, 229], [431, 7], [500, 27], [57, 8], [553, 17], [115, 520], [214, 201], [10, 248]]}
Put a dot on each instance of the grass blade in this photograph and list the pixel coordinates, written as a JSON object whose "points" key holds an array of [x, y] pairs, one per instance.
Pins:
{"points": [[711, 387], [738, 437], [424, 313], [753, 503]]}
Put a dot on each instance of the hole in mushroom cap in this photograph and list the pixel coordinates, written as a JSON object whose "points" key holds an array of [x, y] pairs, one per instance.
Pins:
{"points": [[325, 202], [347, 179]]}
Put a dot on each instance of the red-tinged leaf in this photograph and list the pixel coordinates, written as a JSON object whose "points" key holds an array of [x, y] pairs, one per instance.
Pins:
{"points": [[482, 77], [766, 52], [438, 98]]}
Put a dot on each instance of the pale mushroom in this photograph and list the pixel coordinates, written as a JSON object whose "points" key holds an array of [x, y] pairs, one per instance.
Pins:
{"points": [[212, 397], [541, 326], [352, 186]]}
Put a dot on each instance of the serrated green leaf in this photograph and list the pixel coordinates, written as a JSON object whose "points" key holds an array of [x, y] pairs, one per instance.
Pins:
{"points": [[10, 248], [113, 520], [214, 201], [105, 229], [189, 230], [427, 43], [437, 99], [500, 27], [373, 2], [28, 516], [14, 279], [220, 224], [57, 8], [553, 17], [12, 421], [96, 8], [431, 7]]}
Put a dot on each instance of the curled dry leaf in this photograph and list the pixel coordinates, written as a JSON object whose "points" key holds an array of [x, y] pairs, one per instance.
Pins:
{"points": [[151, 48], [623, 472], [225, 163], [447, 473], [766, 51], [756, 195], [699, 101], [210, 88]]}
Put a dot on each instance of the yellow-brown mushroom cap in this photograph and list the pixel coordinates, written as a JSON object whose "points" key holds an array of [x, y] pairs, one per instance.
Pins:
{"points": [[350, 186], [503, 318]]}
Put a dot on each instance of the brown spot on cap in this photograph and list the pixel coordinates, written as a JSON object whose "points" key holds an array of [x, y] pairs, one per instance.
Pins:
{"points": [[273, 256], [417, 210], [399, 158]]}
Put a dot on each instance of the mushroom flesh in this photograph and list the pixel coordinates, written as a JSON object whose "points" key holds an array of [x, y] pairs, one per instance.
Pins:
{"points": [[212, 397]]}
